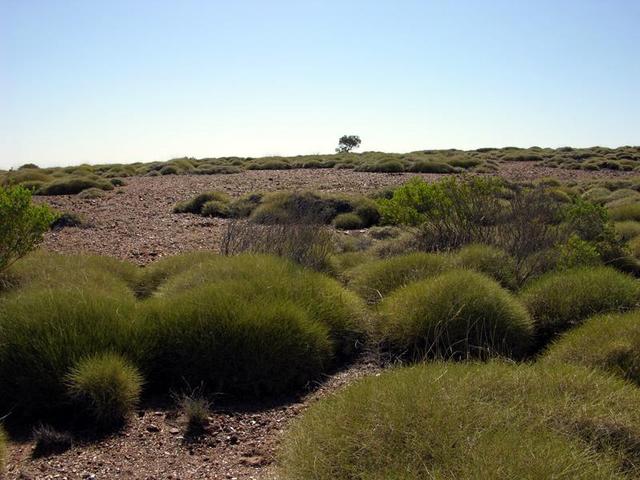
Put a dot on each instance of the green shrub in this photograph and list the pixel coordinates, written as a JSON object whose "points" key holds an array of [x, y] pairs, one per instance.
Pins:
{"points": [[73, 185], [117, 182], [609, 342], [348, 221], [43, 333], [269, 165], [577, 253], [300, 207], [634, 246], [91, 193], [215, 208], [375, 279], [560, 300], [195, 204], [22, 224], [245, 205], [367, 210], [489, 260], [457, 314], [106, 386], [469, 421]]}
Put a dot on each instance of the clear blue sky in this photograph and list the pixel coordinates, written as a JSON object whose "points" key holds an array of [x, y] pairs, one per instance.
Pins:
{"points": [[142, 80]]}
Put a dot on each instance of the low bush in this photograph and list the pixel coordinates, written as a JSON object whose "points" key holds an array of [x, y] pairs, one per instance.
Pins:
{"points": [[69, 219], [426, 166], [300, 207], [310, 245], [489, 260], [73, 186], [169, 170], [457, 314], [49, 441], [384, 166], [44, 332], [197, 409], [609, 342], [22, 225], [560, 300], [348, 221], [195, 204], [106, 387], [469, 421], [375, 279]]}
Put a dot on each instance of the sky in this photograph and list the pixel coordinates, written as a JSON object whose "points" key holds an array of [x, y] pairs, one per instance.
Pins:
{"points": [[144, 80]]}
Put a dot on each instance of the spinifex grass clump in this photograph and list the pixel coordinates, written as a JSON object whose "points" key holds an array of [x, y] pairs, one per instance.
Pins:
{"points": [[470, 421], [608, 342], [489, 260], [73, 185], [560, 300], [375, 279], [458, 314], [106, 387], [247, 324], [44, 332], [195, 204]]}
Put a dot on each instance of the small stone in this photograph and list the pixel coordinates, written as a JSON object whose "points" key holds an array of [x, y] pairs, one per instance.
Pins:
{"points": [[153, 428], [174, 431]]}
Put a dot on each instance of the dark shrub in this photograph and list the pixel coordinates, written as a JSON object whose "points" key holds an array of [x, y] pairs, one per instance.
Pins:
{"points": [[169, 170], [69, 219], [49, 441], [457, 314]]}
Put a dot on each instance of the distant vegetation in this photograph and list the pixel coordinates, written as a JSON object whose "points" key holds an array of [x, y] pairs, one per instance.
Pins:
{"points": [[72, 180]]}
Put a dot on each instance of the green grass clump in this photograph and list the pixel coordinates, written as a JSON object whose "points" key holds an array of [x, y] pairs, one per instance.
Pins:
{"points": [[91, 193], [106, 386], [426, 166], [560, 300], [489, 260], [457, 314], [609, 342], [629, 211], [628, 229], [259, 278], [73, 185], [470, 421], [215, 208], [375, 279], [44, 332], [214, 336], [384, 166], [348, 221], [54, 270], [195, 204]]}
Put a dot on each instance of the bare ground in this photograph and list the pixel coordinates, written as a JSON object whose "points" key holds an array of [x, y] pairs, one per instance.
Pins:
{"points": [[135, 222]]}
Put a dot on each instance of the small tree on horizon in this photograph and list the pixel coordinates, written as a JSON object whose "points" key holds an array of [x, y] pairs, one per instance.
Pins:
{"points": [[348, 143]]}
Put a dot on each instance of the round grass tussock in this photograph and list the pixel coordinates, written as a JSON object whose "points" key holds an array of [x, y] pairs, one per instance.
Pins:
{"points": [[105, 386], [609, 342], [469, 421], [348, 221], [215, 208], [44, 332], [625, 212], [489, 260], [258, 278], [375, 279], [628, 229], [73, 186], [458, 314], [212, 336], [195, 204], [559, 300]]}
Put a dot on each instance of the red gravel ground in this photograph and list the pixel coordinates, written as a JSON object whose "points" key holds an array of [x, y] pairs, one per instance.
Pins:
{"points": [[135, 222]]}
